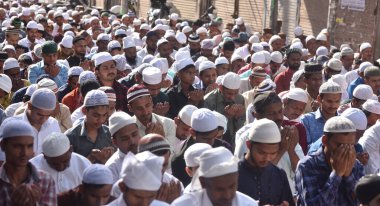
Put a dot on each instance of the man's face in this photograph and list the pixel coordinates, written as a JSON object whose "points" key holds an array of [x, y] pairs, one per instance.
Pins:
{"points": [[263, 154], [331, 144], [38, 116], [207, 138], [12, 39], [374, 82], [294, 61], [142, 108], [59, 20], [105, 20], [187, 75], [375, 201], [95, 24], [329, 103], [32, 34], [227, 53], [165, 50], [229, 94], [372, 119], [80, 48], [139, 197], [96, 116], [195, 46], [312, 46], [206, 52], [208, 76], [367, 54], [255, 80], [277, 45], [152, 42], [107, 71], [73, 81], [274, 112], [154, 89], [127, 138], [59, 163], [130, 52], [96, 196], [222, 69], [14, 74], [314, 81], [237, 65], [222, 189], [50, 59], [102, 45], [66, 51], [293, 109], [347, 61], [19, 150], [182, 129]]}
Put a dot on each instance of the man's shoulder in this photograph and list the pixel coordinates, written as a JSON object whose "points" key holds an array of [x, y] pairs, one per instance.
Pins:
{"points": [[73, 131], [212, 94], [245, 200]]}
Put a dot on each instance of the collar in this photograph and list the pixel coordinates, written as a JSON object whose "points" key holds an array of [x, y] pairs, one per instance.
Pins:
{"points": [[318, 114], [141, 126], [32, 176]]}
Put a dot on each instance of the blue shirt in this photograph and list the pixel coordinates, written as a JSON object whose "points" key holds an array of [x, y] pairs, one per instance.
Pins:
{"points": [[314, 123], [317, 184], [318, 144], [353, 85], [38, 69]]}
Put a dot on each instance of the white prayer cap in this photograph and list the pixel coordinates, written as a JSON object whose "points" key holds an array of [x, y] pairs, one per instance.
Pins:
{"points": [[308, 38], [239, 21], [142, 171], [339, 124], [161, 63], [118, 120], [86, 75], [26, 12], [15, 127], [268, 57], [184, 63], [330, 88], [186, 29], [322, 51], [31, 89], [364, 65], [276, 56], [372, 106], [203, 120], [161, 41], [173, 16], [115, 9], [67, 41], [221, 60], [346, 51], [145, 27], [10, 63], [235, 57], [94, 12], [44, 99], [48, 84], [96, 98], [206, 65], [357, 117], [298, 31], [75, 71], [8, 46], [365, 45], [296, 45], [207, 44], [363, 92], [321, 37], [337, 55], [185, 114], [169, 33], [222, 120], [128, 42], [58, 14], [148, 58], [265, 131], [181, 37], [201, 30], [193, 153], [258, 58], [103, 37], [264, 44], [335, 64], [40, 27], [32, 25], [121, 62], [136, 22], [297, 94], [231, 81], [66, 27], [113, 44], [217, 162], [257, 47], [120, 32], [69, 33], [180, 55], [55, 145], [254, 39], [274, 38], [102, 57], [152, 76], [97, 174]]}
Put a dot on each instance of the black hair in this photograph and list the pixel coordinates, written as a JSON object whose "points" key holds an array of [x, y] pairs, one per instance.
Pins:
{"points": [[78, 38], [87, 86], [94, 186], [198, 23], [229, 45], [43, 76], [329, 134], [262, 100]]}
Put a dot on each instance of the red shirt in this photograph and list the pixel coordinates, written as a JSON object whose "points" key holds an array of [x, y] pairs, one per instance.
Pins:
{"points": [[301, 133], [283, 79], [244, 69]]}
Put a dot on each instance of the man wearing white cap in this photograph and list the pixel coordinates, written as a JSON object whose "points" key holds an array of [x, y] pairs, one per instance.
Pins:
{"points": [[361, 94], [152, 38], [38, 114], [71, 84], [65, 48], [356, 77], [328, 177], [222, 65], [21, 183], [207, 75], [95, 188], [105, 70], [130, 52], [227, 101], [258, 177], [217, 169], [242, 26], [294, 103], [371, 109], [11, 68], [91, 138], [347, 58], [58, 160], [125, 137], [204, 129], [78, 57], [334, 66], [365, 52], [142, 178], [258, 74], [30, 39], [165, 50], [207, 46], [293, 59], [329, 98]]}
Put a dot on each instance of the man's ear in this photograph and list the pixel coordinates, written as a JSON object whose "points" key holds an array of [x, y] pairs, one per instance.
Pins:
{"points": [[324, 140], [319, 98], [84, 110], [122, 187], [129, 107], [189, 171], [176, 120], [249, 144], [192, 132]]}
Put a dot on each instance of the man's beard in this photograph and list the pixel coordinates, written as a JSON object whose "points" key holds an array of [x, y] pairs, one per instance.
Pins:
{"points": [[131, 60]]}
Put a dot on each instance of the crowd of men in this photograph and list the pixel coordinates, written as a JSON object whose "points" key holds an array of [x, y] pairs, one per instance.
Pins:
{"points": [[100, 108]]}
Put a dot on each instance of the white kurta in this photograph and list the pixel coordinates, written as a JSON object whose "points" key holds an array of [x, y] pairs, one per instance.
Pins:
{"points": [[120, 202], [68, 179], [200, 198], [371, 144], [114, 163]]}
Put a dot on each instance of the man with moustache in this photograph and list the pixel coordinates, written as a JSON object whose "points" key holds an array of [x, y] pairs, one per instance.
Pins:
{"points": [[77, 59], [293, 60]]}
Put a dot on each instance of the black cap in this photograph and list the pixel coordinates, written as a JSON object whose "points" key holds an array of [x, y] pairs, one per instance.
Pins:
{"points": [[322, 59], [193, 38], [313, 68], [367, 188]]}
